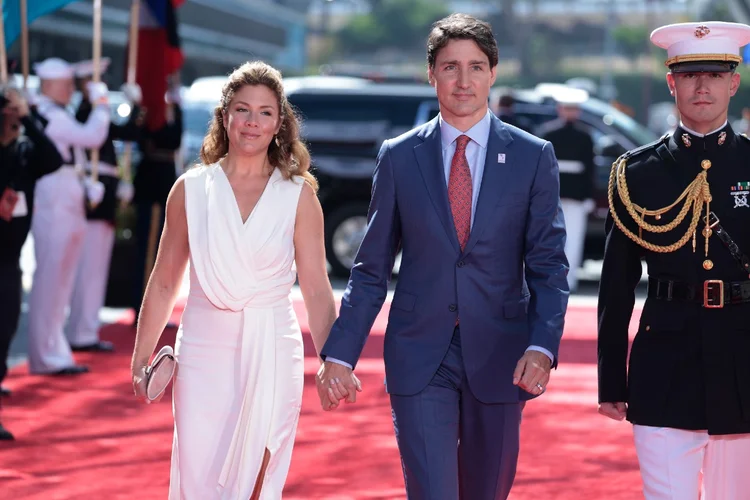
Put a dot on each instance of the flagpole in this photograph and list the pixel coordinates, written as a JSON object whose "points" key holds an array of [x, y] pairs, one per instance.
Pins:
{"points": [[24, 43], [97, 76], [3, 53], [132, 65]]}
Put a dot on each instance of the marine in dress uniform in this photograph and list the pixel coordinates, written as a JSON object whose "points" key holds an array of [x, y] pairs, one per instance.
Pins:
{"points": [[575, 156], [23, 160], [90, 286], [59, 222], [682, 205], [156, 174]]}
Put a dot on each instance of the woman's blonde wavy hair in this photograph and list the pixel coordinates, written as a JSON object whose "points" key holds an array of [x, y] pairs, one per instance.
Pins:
{"points": [[287, 152]]}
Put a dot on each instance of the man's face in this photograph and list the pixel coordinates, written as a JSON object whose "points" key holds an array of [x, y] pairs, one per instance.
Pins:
{"points": [[59, 90], [462, 78], [703, 98]]}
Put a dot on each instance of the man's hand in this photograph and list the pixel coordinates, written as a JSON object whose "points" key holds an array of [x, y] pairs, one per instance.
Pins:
{"points": [[336, 382], [615, 411], [532, 372], [17, 103]]}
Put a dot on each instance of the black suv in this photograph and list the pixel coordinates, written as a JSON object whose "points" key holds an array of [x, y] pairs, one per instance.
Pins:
{"points": [[344, 122]]}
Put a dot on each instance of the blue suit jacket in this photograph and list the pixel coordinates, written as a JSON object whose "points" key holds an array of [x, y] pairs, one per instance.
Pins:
{"points": [[508, 286]]}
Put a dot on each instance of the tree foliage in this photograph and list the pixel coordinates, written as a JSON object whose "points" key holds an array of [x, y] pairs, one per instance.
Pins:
{"points": [[391, 24]]}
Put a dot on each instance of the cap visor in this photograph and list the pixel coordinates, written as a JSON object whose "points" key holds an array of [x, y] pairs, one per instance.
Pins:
{"points": [[703, 67]]}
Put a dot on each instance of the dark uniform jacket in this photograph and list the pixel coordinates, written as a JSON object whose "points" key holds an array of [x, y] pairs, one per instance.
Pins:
{"points": [[689, 366], [572, 143], [22, 162], [157, 172], [130, 131]]}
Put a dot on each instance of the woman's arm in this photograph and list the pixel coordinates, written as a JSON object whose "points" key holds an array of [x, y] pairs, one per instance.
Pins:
{"points": [[310, 255], [164, 283]]}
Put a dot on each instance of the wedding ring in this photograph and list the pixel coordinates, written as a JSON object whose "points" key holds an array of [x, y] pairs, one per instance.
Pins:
{"points": [[540, 387]]}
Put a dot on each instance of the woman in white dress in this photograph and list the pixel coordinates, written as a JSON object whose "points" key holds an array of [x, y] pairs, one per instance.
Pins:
{"points": [[242, 219]]}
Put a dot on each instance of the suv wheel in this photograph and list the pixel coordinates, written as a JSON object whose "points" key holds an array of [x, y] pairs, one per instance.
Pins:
{"points": [[344, 231]]}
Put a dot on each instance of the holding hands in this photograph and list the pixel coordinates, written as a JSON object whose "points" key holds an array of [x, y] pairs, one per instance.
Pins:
{"points": [[336, 382]]}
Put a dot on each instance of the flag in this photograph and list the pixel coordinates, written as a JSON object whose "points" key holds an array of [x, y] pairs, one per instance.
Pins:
{"points": [[34, 10], [159, 55]]}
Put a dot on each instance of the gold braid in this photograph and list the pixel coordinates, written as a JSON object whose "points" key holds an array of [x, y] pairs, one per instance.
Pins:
{"points": [[695, 195]]}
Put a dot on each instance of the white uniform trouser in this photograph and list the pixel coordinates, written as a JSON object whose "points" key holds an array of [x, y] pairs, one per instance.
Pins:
{"points": [[90, 285], [672, 460], [575, 225], [58, 227]]}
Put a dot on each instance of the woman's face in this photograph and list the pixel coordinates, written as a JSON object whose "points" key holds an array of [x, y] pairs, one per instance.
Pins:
{"points": [[252, 120]]}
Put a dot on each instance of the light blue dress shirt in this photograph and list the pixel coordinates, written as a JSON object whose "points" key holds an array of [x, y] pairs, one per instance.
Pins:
{"points": [[476, 153]]}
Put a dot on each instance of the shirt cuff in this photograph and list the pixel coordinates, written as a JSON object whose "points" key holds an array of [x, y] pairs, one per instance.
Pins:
{"points": [[339, 362], [536, 348]]}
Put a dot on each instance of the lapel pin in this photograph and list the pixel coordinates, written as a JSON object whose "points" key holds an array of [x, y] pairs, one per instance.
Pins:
{"points": [[501, 158]]}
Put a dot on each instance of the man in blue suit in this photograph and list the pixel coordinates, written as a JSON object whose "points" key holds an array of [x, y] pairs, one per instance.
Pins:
{"points": [[477, 315]]}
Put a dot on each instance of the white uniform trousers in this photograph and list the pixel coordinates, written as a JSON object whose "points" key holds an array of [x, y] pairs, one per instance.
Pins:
{"points": [[672, 462], [576, 216], [58, 227], [90, 286]]}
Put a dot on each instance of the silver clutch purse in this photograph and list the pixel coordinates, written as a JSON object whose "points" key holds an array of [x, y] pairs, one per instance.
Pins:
{"points": [[160, 372]]}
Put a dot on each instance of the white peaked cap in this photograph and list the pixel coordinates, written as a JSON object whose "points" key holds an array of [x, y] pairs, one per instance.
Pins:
{"points": [[53, 68], [702, 42]]}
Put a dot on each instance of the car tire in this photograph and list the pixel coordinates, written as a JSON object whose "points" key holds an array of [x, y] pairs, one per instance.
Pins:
{"points": [[344, 229]]}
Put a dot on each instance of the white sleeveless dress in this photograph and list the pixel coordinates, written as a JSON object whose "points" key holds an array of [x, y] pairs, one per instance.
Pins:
{"points": [[238, 390]]}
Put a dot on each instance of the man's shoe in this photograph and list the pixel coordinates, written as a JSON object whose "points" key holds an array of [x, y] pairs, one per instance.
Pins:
{"points": [[5, 434], [4, 392], [71, 370], [101, 346]]}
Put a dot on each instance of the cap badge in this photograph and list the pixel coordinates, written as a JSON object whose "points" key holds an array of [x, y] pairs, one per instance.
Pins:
{"points": [[702, 31]]}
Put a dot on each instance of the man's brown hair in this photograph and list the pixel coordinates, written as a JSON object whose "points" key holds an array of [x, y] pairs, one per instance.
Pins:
{"points": [[461, 27]]}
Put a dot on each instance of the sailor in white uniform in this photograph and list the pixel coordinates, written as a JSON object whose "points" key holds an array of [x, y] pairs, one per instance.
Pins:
{"points": [[59, 222], [90, 288]]}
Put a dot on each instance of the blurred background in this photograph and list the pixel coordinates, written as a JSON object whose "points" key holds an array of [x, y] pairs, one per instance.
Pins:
{"points": [[356, 72]]}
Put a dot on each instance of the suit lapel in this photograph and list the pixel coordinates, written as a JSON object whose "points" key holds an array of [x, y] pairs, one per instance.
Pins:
{"points": [[429, 156], [495, 179]]}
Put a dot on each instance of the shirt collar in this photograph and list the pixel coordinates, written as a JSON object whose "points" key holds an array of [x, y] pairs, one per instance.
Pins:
{"points": [[479, 133], [696, 134]]}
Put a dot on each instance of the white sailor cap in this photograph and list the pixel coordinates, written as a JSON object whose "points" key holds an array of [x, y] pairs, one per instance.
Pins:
{"points": [[702, 47], [53, 68], [85, 69]]}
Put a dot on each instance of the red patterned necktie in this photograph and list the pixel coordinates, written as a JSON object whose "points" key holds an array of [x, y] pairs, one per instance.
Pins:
{"points": [[459, 191]]}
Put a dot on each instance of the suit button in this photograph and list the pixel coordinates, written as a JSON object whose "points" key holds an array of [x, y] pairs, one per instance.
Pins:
{"points": [[461, 264], [452, 308]]}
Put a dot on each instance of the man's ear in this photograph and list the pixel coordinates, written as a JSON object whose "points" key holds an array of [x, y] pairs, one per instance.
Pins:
{"points": [[670, 83], [734, 86], [430, 76]]}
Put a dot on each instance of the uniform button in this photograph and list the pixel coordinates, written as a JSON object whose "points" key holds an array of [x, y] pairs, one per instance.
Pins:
{"points": [[461, 264], [648, 327], [452, 308]]}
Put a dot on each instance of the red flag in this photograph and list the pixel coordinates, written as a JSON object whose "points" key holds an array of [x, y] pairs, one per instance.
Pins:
{"points": [[159, 55]]}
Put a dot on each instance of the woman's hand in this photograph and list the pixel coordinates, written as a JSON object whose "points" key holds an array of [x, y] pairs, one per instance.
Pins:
{"points": [[139, 384]]}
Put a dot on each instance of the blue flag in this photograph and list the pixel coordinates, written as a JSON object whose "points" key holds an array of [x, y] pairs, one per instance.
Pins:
{"points": [[35, 9], [746, 54]]}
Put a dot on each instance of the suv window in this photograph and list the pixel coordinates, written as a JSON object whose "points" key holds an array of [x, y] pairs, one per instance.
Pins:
{"points": [[352, 124]]}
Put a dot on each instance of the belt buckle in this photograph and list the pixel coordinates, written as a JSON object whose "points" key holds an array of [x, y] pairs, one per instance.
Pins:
{"points": [[709, 291]]}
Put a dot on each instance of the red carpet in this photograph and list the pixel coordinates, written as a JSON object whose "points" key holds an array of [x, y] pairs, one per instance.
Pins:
{"points": [[88, 437]]}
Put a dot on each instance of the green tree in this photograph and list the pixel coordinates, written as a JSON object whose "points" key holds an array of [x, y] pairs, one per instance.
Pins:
{"points": [[632, 40], [391, 24]]}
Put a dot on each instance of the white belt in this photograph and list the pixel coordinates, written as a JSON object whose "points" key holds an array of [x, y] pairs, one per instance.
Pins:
{"points": [[570, 166], [104, 168]]}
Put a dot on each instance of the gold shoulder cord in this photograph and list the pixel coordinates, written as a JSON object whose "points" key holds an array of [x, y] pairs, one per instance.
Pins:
{"points": [[695, 195]]}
